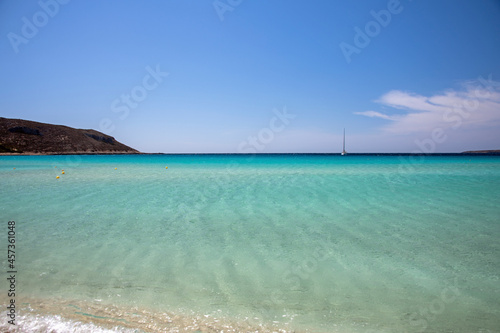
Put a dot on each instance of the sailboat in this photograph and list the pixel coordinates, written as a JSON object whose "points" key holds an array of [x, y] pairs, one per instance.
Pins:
{"points": [[343, 146]]}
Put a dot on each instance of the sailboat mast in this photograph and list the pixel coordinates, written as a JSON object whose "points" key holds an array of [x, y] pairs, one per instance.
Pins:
{"points": [[343, 143]]}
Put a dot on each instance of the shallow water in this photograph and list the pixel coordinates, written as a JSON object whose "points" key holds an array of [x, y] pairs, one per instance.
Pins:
{"points": [[316, 243]]}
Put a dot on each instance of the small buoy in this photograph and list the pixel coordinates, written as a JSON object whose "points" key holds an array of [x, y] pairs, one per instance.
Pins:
{"points": [[166, 167], [57, 177], [116, 168], [14, 168], [55, 167], [62, 172]]}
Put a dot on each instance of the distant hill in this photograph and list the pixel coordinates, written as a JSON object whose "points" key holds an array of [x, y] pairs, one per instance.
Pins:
{"points": [[30, 137], [482, 151]]}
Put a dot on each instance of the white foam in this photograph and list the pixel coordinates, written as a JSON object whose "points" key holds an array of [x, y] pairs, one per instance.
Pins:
{"points": [[54, 324]]}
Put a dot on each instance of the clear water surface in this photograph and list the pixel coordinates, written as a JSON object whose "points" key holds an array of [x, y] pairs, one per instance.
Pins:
{"points": [[306, 243]]}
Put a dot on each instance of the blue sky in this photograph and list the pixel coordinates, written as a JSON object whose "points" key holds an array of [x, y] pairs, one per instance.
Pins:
{"points": [[258, 76]]}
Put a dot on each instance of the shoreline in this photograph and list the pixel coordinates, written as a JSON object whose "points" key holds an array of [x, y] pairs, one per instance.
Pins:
{"points": [[56, 314], [70, 153]]}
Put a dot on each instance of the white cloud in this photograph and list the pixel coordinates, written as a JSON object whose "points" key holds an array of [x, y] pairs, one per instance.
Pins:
{"points": [[476, 105], [374, 114], [403, 100]]}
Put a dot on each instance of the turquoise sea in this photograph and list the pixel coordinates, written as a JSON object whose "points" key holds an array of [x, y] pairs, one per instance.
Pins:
{"points": [[240, 243]]}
